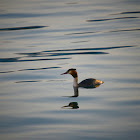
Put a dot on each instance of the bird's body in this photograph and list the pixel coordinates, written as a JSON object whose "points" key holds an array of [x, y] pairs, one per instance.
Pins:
{"points": [[90, 83], [87, 83]]}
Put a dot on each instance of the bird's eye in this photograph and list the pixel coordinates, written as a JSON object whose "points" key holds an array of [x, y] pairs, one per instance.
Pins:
{"points": [[69, 72]]}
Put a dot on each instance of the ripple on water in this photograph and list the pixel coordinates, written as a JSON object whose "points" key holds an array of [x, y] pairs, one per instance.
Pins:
{"points": [[22, 28], [107, 19], [5, 60], [128, 12]]}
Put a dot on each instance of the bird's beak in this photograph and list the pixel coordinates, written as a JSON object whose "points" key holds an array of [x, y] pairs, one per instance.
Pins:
{"points": [[64, 73]]}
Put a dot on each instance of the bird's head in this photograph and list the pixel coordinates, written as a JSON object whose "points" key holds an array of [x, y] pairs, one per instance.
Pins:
{"points": [[71, 71]]}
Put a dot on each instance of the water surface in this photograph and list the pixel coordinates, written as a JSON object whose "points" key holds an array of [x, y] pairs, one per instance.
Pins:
{"points": [[39, 40]]}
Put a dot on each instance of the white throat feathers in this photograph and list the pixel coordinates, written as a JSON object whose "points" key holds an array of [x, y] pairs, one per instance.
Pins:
{"points": [[75, 82], [74, 74]]}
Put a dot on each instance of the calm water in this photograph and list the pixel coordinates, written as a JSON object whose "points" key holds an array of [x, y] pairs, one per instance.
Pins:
{"points": [[39, 40]]}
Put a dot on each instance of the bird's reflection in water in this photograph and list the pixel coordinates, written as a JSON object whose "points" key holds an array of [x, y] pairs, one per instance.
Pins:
{"points": [[72, 105], [76, 92]]}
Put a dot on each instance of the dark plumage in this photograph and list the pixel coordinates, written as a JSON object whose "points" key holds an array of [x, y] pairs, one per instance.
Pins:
{"points": [[90, 83]]}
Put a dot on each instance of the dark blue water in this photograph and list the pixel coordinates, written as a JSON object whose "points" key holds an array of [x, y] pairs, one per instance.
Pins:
{"points": [[39, 40]]}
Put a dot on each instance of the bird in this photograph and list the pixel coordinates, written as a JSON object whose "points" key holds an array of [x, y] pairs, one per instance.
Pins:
{"points": [[87, 83]]}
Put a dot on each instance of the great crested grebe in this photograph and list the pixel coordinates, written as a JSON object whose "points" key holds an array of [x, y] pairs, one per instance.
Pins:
{"points": [[87, 83]]}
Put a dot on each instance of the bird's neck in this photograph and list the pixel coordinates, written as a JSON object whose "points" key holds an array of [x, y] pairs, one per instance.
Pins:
{"points": [[75, 77], [75, 82]]}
